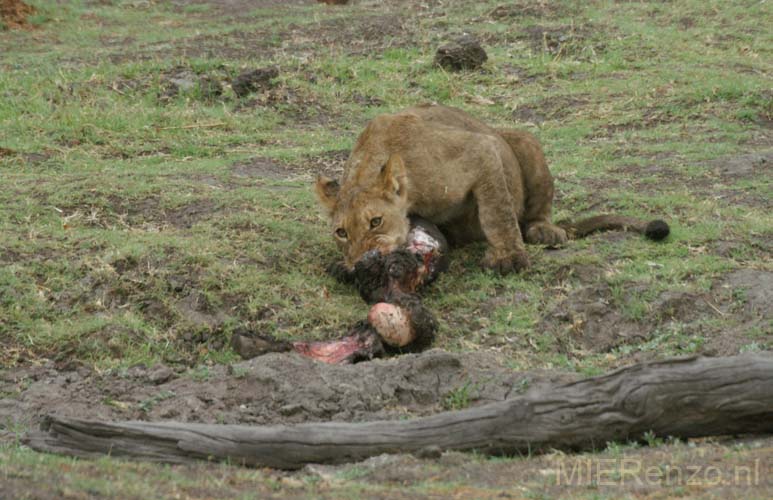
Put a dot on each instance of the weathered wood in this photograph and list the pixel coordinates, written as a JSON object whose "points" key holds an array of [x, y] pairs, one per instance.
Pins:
{"points": [[681, 398]]}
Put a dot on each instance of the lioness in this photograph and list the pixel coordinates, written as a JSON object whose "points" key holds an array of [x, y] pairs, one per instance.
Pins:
{"points": [[473, 181]]}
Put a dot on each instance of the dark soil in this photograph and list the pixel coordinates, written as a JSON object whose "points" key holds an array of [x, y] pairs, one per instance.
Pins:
{"points": [[359, 35], [250, 81], [263, 168], [592, 319], [582, 42], [745, 166], [553, 108], [329, 163], [355, 35], [525, 8], [717, 179], [149, 212]]}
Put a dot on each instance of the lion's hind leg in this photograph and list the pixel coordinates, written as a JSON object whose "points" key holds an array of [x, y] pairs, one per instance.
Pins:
{"points": [[538, 190]]}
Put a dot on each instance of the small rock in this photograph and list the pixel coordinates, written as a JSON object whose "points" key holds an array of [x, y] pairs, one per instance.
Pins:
{"points": [[136, 371], [253, 80], [160, 374], [184, 81], [174, 84], [249, 344], [183, 84], [464, 53]]}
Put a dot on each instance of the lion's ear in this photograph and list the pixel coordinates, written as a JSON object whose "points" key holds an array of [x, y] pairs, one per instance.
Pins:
{"points": [[392, 177], [327, 192]]}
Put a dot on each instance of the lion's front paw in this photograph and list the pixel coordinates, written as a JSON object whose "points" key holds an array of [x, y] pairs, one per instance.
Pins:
{"points": [[504, 263]]}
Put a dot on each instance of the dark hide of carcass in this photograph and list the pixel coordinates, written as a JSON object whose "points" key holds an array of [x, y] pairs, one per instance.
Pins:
{"points": [[397, 320]]}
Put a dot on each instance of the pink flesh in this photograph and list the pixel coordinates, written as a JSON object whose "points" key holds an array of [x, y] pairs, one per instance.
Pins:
{"points": [[422, 244], [335, 351]]}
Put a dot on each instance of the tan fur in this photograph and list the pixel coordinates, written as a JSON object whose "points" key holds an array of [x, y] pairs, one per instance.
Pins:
{"points": [[473, 181]]}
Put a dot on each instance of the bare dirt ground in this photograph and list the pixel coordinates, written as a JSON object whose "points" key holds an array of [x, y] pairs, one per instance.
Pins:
{"points": [[274, 388]]}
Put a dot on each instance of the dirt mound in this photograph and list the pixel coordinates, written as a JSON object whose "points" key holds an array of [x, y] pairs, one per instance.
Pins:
{"points": [[13, 13], [275, 388]]}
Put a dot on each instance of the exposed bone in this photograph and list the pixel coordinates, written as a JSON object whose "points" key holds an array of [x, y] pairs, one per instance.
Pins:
{"points": [[392, 324]]}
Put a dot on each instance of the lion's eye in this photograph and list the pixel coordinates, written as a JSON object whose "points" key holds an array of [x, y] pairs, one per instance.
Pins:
{"points": [[341, 233], [375, 222]]}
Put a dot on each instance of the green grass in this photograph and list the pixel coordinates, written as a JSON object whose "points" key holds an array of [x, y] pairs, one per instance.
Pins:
{"points": [[128, 234], [114, 161]]}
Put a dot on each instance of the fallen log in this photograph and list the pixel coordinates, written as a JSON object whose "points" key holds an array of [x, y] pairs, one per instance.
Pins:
{"points": [[682, 398]]}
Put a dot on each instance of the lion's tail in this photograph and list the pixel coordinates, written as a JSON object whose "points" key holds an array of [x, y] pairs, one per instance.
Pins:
{"points": [[655, 230]]}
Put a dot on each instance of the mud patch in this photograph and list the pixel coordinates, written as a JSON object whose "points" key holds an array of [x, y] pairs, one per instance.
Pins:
{"points": [[328, 163], [748, 292], [552, 108], [652, 117], [523, 8], [757, 248], [744, 299], [233, 45], [235, 9], [595, 318], [148, 213], [356, 35], [263, 168], [575, 41], [275, 388], [588, 318], [716, 179], [301, 106], [743, 166], [26, 158]]}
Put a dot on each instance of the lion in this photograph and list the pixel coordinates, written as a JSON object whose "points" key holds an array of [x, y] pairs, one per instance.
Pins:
{"points": [[474, 182]]}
